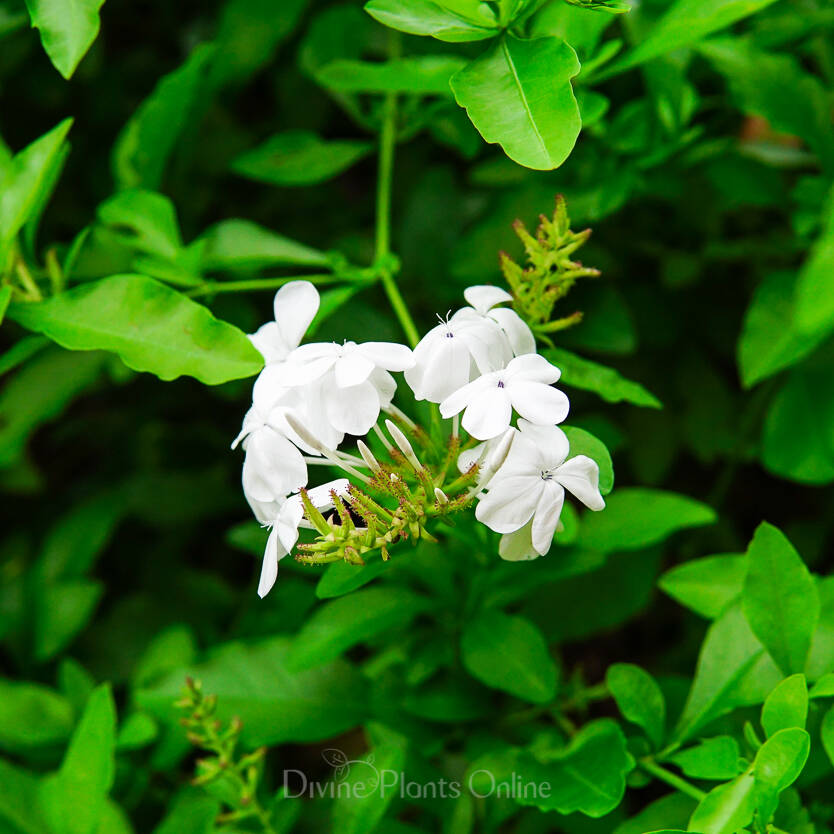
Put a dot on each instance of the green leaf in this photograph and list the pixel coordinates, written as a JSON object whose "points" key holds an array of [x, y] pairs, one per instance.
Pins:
{"points": [[509, 653], [685, 23], [298, 157], [824, 687], [144, 146], [421, 75], [635, 518], [584, 443], [67, 28], [19, 809], [713, 758], [23, 182], [32, 716], [814, 307], [733, 670], [827, 734], [673, 809], [587, 776], [143, 220], [138, 731], [786, 706], [770, 340], [62, 610], [192, 813], [424, 17], [727, 808], [780, 599], [591, 376], [5, 298], [275, 704], [707, 585], [73, 799], [341, 578], [150, 326], [338, 625], [777, 766], [518, 94], [243, 245], [639, 699]]}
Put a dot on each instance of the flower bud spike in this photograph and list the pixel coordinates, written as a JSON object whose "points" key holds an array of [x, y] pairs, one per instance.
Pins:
{"points": [[403, 445], [314, 516], [368, 456], [401, 415], [441, 496], [305, 434], [385, 441]]}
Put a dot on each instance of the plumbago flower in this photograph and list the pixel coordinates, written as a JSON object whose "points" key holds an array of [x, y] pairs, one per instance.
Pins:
{"points": [[510, 462]]}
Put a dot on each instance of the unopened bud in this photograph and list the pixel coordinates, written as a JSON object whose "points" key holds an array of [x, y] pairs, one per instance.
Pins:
{"points": [[404, 446], [304, 434], [368, 456], [441, 496]]}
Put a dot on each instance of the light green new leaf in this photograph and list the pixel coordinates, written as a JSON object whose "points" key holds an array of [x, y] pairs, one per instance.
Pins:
{"points": [[584, 443], [713, 758], [275, 704], [587, 776], [780, 599], [152, 328], [73, 799], [636, 517], [815, 287], [144, 146], [638, 698], [707, 585], [777, 766], [23, 183], [68, 29], [733, 670], [685, 23], [298, 157], [770, 339], [591, 376], [338, 625], [824, 687], [243, 245], [32, 716], [786, 706], [509, 653], [425, 17], [727, 808], [519, 94], [421, 75]]}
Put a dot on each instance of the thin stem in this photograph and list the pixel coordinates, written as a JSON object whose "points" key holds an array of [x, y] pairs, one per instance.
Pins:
{"points": [[255, 284], [651, 767], [387, 145]]}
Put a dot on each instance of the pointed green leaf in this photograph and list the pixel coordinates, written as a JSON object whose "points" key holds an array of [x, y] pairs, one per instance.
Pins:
{"points": [[707, 585], [420, 75], [727, 808], [152, 327], [713, 758], [777, 766], [827, 734], [786, 706], [68, 29], [519, 94], [5, 298], [639, 699], [425, 17], [584, 443], [815, 287], [780, 599]]}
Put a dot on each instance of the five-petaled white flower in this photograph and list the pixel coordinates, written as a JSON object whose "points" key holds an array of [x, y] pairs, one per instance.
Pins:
{"points": [[526, 495], [524, 385], [295, 306], [484, 300], [285, 524]]}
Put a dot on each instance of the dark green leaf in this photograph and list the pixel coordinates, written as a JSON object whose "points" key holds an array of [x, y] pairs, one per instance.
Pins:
{"points": [[814, 289], [639, 699], [584, 443], [32, 716], [68, 29], [342, 578], [422, 75]]}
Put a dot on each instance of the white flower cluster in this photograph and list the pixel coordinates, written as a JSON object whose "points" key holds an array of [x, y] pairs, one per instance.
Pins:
{"points": [[480, 361]]}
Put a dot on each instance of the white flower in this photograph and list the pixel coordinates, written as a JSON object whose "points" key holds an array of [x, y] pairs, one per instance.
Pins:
{"points": [[285, 526], [483, 299], [353, 380], [524, 385], [295, 305], [526, 495]]}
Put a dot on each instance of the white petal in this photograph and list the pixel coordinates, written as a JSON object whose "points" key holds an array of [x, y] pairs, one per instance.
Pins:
{"points": [[466, 394], [264, 511], [388, 355], [551, 441], [580, 476], [518, 546], [320, 495], [469, 457], [296, 305], [547, 515], [269, 571], [538, 403], [446, 371], [489, 414], [519, 335], [352, 410], [273, 467], [270, 387], [296, 371], [532, 368], [510, 502], [269, 341], [286, 525], [484, 296], [385, 386], [352, 369]]}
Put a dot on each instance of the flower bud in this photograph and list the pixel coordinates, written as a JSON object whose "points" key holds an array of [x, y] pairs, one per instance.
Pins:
{"points": [[441, 496], [368, 456], [404, 446], [304, 433]]}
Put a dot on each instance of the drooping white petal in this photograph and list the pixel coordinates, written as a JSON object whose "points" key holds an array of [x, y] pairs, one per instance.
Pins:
{"points": [[286, 525], [320, 495], [352, 369], [295, 305], [489, 414], [270, 387], [273, 554], [518, 546], [296, 371], [264, 511], [550, 441], [273, 467], [532, 368], [580, 476], [469, 457], [548, 510], [466, 395], [447, 369], [521, 338], [388, 355], [538, 403], [352, 410], [270, 343], [385, 386], [485, 296], [510, 502]]}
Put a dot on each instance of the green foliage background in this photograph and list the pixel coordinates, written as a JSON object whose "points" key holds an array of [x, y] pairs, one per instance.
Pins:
{"points": [[670, 665]]}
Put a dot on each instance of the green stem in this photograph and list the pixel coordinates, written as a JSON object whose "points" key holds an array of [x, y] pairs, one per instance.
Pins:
{"points": [[674, 781], [255, 284], [387, 144]]}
